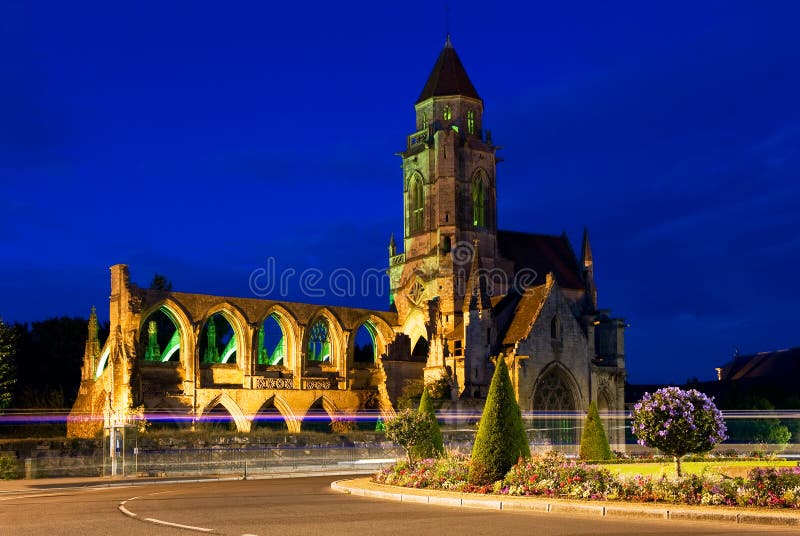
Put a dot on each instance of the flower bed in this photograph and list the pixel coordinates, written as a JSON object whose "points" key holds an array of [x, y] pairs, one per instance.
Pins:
{"points": [[551, 475]]}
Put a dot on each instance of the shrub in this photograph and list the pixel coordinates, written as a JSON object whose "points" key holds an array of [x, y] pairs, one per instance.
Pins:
{"points": [[594, 443], [433, 445], [409, 429], [9, 468], [501, 438], [678, 422], [552, 475]]}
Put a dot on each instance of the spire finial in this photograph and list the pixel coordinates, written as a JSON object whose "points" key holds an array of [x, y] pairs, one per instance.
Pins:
{"points": [[447, 42]]}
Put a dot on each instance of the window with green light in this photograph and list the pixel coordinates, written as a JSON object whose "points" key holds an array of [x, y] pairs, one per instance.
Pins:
{"points": [[417, 204], [479, 202], [447, 114], [319, 342], [271, 342], [471, 121]]}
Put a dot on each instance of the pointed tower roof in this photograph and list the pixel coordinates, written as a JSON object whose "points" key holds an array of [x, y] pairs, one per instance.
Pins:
{"points": [[448, 77], [586, 252]]}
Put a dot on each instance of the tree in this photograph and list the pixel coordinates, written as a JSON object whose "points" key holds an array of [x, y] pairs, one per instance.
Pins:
{"points": [[8, 369], [594, 442], [433, 446], [678, 422], [409, 429], [501, 438], [49, 357], [160, 282]]}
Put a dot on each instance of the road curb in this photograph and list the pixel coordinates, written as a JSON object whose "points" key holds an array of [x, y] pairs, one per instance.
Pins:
{"points": [[364, 488]]}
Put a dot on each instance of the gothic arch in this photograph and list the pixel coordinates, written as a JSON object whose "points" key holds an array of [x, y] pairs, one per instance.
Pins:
{"points": [[414, 327], [481, 200], [556, 390], [555, 400], [182, 320], [338, 357], [238, 322], [284, 409], [416, 205], [288, 324], [331, 412], [225, 400]]}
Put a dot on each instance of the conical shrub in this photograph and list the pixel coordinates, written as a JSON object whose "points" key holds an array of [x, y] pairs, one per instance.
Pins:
{"points": [[594, 443], [434, 446], [501, 438]]}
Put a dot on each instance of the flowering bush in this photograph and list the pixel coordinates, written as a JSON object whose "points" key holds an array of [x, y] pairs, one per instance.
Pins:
{"points": [[678, 422], [552, 475], [448, 473]]}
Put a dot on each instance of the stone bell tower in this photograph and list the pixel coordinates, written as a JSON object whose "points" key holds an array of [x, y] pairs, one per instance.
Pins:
{"points": [[449, 201]]}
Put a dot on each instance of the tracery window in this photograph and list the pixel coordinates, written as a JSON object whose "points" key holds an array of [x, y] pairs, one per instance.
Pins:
{"points": [[553, 394], [319, 342], [417, 292], [447, 113], [417, 203], [479, 201], [471, 121]]}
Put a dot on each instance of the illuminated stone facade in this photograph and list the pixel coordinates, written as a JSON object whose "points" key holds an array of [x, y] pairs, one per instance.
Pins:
{"points": [[463, 293]]}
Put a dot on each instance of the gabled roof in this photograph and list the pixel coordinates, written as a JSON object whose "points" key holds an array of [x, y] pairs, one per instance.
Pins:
{"points": [[778, 365], [543, 254], [526, 312], [448, 77]]}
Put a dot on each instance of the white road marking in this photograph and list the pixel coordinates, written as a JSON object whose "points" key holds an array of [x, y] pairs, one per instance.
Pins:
{"points": [[177, 525], [126, 511]]}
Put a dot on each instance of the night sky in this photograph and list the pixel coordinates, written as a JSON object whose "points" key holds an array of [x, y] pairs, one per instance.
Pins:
{"points": [[199, 139]]}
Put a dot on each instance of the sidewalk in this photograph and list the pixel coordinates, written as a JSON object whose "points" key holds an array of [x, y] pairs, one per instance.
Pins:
{"points": [[363, 487], [9, 487]]}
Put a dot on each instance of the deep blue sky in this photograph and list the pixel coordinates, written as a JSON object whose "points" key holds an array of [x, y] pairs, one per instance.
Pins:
{"points": [[200, 138]]}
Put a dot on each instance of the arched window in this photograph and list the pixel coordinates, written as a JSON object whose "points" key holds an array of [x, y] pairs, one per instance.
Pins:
{"points": [[471, 121], [217, 341], [161, 337], [364, 349], [554, 404], [417, 203], [479, 201], [319, 342], [424, 121], [271, 342], [447, 113], [555, 328]]}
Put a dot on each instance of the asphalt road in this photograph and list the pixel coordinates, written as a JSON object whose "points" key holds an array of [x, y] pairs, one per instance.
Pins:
{"points": [[298, 506]]}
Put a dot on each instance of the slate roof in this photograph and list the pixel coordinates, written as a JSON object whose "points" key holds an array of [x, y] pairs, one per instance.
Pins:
{"points": [[543, 254], [780, 364], [448, 77], [525, 313]]}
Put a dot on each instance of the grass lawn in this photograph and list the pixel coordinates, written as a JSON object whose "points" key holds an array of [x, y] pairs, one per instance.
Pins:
{"points": [[727, 468]]}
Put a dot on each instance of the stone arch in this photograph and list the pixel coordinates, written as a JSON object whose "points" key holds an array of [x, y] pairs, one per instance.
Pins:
{"points": [[555, 401], [225, 400], [238, 323], [288, 325], [338, 354], [316, 420], [282, 408], [182, 320]]}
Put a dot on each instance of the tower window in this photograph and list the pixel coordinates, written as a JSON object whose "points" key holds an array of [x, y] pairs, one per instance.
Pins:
{"points": [[471, 121], [424, 121], [417, 205], [447, 114], [555, 329], [479, 202]]}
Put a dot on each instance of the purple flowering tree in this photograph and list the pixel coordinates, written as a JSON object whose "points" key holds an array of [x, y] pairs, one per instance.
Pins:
{"points": [[678, 422]]}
